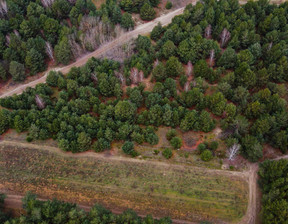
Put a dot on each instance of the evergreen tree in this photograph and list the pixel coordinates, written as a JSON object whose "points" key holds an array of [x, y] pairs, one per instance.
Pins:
{"points": [[147, 12]]}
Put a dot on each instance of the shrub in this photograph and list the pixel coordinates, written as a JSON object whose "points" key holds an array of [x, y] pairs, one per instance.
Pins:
{"points": [[206, 155], [128, 147], [167, 153], [156, 152], [214, 145], [168, 5], [201, 147], [29, 139], [176, 142], [170, 134]]}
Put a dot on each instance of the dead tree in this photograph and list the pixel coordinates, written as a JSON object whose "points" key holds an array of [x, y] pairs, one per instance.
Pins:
{"points": [[189, 69], [49, 50], [233, 151], [186, 86], [3, 8], [72, 1], [76, 49], [120, 77], [8, 39], [156, 62], [225, 37], [94, 78], [270, 46], [140, 76], [16, 33], [208, 32], [47, 3], [40, 102], [212, 56], [134, 75]]}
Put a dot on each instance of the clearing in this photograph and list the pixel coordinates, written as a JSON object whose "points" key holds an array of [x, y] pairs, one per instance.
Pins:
{"points": [[149, 187]]}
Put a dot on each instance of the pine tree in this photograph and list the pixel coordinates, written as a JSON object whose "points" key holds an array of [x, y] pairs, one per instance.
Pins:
{"points": [[147, 12]]}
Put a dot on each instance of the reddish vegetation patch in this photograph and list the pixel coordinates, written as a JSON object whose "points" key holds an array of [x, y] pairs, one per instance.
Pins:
{"points": [[191, 140], [238, 163], [270, 153]]}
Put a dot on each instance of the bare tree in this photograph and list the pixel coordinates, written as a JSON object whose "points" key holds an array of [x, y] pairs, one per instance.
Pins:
{"points": [[3, 8], [16, 33], [186, 86], [233, 151], [270, 46], [95, 32], [40, 102], [47, 3], [8, 39], [120, 76], [189, 68], [208, 32], [134, 75], [49, 50], [94, 77], [76, 49], [140, 76], [156, 62], [212, 56], [72, 1], [225, 37]]}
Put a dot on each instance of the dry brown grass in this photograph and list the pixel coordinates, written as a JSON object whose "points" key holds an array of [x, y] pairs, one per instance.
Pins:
{"points": [[182, 192]]}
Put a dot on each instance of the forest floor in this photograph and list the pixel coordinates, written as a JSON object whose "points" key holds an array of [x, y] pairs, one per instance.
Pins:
{"points": [[150, 187]]}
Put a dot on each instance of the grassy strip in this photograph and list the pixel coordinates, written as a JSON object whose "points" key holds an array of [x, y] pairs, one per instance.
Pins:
{"points": [[181, 192]]}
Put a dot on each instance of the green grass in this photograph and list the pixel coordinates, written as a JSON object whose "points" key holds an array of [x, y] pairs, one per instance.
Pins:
{"points": [[182, 192]]}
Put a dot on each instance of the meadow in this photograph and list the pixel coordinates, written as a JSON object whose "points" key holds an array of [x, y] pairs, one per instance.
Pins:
{"points": [[149, 187]]}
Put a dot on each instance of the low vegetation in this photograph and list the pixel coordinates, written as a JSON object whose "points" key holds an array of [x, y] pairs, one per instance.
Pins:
{"points": [[181, 192]]}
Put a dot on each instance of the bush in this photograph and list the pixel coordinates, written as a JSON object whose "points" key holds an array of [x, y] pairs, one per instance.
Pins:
{"points": [[170, 134], [29, 139], [176, 142], [214, 145], [201, 147], [167, 153], [128, 147], [156, 152], [169, 5], [206, 155]]}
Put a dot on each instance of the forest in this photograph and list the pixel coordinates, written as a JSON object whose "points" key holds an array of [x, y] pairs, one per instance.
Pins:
{"points": [[273, 183], [54, 211], [36, 34], [218, 64]]}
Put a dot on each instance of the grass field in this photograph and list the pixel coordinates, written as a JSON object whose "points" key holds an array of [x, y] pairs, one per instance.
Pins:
{"points": [[182, 192]]}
